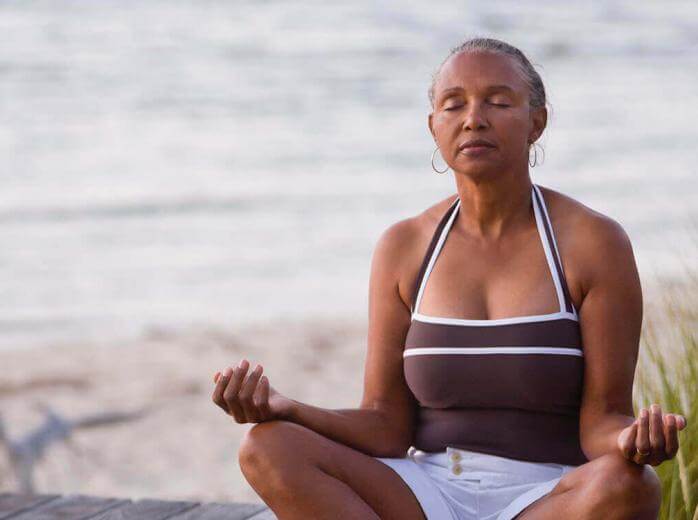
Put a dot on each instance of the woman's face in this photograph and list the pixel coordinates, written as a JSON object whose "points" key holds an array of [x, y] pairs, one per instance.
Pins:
{"points": [[482, 95]]}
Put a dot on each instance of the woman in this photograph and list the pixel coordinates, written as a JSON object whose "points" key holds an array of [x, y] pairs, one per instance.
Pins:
{"points": [[481, 374]]}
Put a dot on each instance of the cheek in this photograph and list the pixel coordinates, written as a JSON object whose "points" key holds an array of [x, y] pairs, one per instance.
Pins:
{"points": [[517, 124], [445, 120], [512, 132], [448, 128]]}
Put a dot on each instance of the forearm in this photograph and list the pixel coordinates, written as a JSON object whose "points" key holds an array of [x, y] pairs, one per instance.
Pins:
{"points": [[599, 432], [366, 430]]}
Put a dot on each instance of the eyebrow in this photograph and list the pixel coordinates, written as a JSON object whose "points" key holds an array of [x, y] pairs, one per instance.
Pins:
{"points": [[489, 87]]}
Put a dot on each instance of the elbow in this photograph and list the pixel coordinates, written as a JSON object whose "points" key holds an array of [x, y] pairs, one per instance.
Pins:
{"points": [[399, 445], [586, 448], [587, 441], [392, 435], [394, 445], [394, 452]]}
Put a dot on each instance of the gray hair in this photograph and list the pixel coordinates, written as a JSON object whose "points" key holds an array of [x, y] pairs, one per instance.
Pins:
{"points": [[529, 75]]}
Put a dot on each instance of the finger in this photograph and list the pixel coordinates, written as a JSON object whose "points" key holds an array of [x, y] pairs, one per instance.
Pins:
{"points": [[627, 441], [261, 397], [216, 376], [231, 393], [217, 396], [657, 441], [681, 421], [642, 440], [247, 391], [672, 436]]}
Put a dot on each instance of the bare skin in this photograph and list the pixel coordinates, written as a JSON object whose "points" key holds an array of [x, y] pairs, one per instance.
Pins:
{"points": [[309, 462]]}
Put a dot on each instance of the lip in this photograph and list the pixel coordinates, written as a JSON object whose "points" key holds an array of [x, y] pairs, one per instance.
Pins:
{"points": [[474, 151], [475, 143]]}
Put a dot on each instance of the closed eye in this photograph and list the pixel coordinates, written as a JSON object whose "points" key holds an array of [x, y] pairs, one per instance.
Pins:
{"points": [[495, 104]]}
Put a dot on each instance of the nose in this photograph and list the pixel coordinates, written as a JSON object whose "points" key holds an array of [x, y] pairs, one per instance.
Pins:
{"points": [[474, 117]]}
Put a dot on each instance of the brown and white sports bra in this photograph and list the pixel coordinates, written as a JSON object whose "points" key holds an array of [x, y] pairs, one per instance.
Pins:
{"points": [[510, 387]]}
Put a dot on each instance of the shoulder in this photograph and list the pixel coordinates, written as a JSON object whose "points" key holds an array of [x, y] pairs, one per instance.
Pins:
{"points": [[400, 248], [593, 241], [408, 232]]}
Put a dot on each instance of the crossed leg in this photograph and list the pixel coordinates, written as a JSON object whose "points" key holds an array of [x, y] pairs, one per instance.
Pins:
{"points": [[302, 474], [608, 487]]}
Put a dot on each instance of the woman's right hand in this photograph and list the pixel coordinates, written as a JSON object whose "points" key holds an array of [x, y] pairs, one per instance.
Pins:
{"points": [[249, 399]]}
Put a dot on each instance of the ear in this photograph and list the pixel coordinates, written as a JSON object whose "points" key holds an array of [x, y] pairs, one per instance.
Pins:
{"points": [[430, 123], [539, 120]]}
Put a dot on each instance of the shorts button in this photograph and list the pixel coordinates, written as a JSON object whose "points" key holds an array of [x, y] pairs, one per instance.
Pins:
{"points": [[455, 456], [457, 469]]}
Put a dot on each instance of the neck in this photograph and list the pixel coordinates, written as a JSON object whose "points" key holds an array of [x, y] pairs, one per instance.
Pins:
{"points": [[488, 209]]}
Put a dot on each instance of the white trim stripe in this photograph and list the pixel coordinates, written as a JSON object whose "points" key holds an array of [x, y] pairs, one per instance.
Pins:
{"points": [[550, 226], [492, 350], [552, 236], [548, 252], [435, 254], [498, 321]]}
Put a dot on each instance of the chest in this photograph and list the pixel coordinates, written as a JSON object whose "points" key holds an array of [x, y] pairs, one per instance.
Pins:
{"points": [[512, 279]]}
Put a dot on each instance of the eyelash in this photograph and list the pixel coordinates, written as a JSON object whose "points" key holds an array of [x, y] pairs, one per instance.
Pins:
{"points": [[495, 104]]}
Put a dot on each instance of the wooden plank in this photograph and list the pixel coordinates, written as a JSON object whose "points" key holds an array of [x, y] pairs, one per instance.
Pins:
{"points": [[149, 508], [14, 506], [69, 507], [265, 514], [223, 511], [15, 503]]}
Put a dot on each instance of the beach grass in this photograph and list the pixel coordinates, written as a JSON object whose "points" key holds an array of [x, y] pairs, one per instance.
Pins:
{"points": [[667, 374]]}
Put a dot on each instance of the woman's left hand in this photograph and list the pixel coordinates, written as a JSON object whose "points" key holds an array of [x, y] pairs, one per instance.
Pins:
{"points": [[653, 437]]}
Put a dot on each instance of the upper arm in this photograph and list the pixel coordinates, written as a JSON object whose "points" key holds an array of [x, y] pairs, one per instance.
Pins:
{"points": [[389, 318], [610, 318]]}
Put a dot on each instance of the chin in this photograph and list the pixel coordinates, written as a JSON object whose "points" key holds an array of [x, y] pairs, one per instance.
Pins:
{"points": [[476, 171]]}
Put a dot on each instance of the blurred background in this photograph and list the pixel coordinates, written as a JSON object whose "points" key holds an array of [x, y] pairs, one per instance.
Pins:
{"points": [[185, 184]]}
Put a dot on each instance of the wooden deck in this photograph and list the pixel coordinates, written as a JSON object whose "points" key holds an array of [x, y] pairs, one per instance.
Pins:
{"points": [[78, 507]]}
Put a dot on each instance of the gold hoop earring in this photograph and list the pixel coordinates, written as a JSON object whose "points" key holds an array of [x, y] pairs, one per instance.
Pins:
{"points": [[432, 162]]}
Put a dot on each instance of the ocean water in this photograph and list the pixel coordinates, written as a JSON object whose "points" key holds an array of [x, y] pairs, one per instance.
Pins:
{"points": [[210, 163]]}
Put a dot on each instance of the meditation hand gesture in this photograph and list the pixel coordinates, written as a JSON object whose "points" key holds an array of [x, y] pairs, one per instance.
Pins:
{"points": [[652, 438], [250, 399]]}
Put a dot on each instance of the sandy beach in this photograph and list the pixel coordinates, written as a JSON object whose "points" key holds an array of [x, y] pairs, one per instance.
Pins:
{"points": [[184, 447]]}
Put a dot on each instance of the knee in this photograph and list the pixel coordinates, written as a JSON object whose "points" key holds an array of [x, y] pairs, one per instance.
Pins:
{"points": [[264, 461], [632, 490], [260, 445]]}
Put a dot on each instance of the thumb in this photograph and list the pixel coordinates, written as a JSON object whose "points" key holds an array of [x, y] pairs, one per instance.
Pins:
{"points": [[626, 440]]}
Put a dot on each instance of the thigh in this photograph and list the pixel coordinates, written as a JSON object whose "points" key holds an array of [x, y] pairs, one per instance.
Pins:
{"points": [[579, 490], [375, 482]]}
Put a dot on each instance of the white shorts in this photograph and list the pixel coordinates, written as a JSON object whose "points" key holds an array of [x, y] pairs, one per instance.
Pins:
{"points": [[458, 484]]}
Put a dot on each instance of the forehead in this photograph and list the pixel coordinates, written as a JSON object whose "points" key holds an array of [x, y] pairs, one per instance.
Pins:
{"points": [[478, 70]]}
